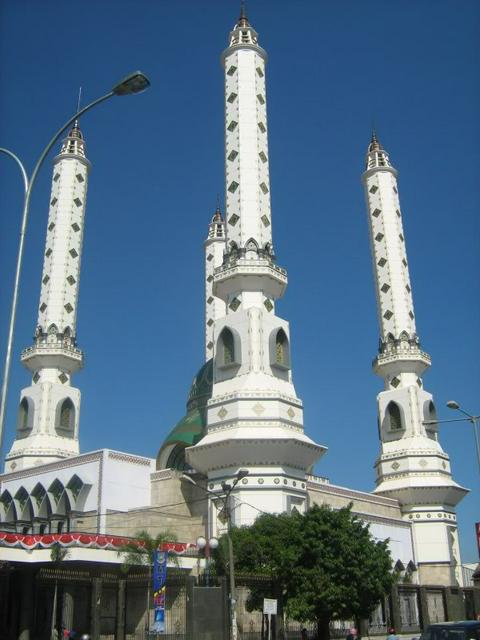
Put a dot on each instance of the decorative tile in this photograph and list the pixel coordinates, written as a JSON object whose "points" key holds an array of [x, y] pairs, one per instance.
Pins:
{"points": [[265, 220], [395, 466], [258, 409], [268, 305], [234, 304], [382, 262], [222, 413], [291, 413], [63, 378], [423, 463], [233, 219], [388, 314]]}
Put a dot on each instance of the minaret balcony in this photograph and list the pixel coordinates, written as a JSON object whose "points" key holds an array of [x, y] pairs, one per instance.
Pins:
{"points": [[51, 355], [250, 275], [401, 359]]}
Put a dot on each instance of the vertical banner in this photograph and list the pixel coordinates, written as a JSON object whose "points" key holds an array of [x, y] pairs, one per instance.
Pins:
{"points": [[159, 588], [477, 531]]}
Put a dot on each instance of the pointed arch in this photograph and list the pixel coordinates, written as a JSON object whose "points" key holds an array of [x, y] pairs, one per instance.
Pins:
{"points": [[38, 496], [279, 348], [430, 415], [52, 329], [394, 417], [228, 348], [67, 332], [56, 490], [65, 418], [251, 245], [25, 417], [8, 506], [24, 504]]}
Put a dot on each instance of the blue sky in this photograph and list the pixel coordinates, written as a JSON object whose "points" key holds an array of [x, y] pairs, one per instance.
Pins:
{"points": [[157, 166]]}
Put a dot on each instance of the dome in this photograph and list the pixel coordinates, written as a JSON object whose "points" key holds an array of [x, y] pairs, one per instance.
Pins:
{"points": [[191, 428]]}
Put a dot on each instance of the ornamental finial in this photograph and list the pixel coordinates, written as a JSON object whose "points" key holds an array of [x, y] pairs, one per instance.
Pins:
{"points": [[243, 20], [74, 143], [374, 143]]}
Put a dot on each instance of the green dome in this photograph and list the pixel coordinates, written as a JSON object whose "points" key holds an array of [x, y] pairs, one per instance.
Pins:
{"points": [[191, 428]]}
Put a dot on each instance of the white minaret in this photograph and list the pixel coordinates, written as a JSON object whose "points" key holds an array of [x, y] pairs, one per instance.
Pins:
{"points": [[412, 467], [48, 416], [255, 419], [214, 250]]}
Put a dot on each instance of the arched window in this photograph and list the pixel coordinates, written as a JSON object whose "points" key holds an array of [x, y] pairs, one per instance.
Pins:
{"points": [[66, 418], [281, 348], [228, 347], [394, 416], [430, 417], [23, 414]]}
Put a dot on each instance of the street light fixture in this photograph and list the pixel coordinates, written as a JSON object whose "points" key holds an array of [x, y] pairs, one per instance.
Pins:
{"points": [[208, 545], [227, 490], [133, 83], [451, 404]]}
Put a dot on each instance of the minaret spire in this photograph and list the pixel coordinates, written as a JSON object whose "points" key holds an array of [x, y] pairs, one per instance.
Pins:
{"points": [[255, 419], [412, 466], [214, 250], [48, 418]]}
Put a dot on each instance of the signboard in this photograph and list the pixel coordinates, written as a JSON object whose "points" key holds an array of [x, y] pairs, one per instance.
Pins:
{"points": [[159, 580], [270, 606]]}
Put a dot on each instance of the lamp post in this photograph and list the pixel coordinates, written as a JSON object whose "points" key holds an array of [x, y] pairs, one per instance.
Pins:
{"points": [[451, 404], [225, 496], [133, 83], [208, 545]]}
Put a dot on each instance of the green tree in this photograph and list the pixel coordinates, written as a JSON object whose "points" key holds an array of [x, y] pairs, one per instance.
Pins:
{"points": [[324, 565], [140, 552]]}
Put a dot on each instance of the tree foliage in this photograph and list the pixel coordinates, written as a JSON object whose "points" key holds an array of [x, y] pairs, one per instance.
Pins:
{"points": [[323, 565], [140, 550]]}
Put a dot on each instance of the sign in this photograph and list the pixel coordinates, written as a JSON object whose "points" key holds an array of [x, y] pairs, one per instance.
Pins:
{"points": [[159, 589], [270, 606]]}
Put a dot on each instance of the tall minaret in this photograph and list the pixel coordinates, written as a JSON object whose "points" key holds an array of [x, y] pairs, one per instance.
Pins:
{"points": [[214, 250], [412, 467], [47, 425], [255, 419]]}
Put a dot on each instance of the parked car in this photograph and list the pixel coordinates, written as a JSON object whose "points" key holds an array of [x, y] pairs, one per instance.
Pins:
{"points": [[463, 630]]}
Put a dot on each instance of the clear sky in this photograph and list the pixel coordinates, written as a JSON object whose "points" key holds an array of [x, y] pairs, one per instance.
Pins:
{"points": [[410, 67]]}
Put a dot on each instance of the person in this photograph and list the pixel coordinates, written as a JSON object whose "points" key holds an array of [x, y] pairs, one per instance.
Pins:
{"points": [[304, 634], [352, 634], [391, 634]]}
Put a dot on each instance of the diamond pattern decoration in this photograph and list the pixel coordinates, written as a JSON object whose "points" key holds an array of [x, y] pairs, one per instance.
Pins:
{"points": [[75, 227], [48, 253], [400, 235], [210, 278], [404, 262], [397, 211], [231, 70], [233, 125], [231, 98], [395, 466], [395, 382], [388, 314], [43, 306], [233, 186], [209, 322], [407, 287], [233, 219], [265, 220], [46, 279], [73, 253], [264, 187], [382, 262], [291, 413], [209, 257], [210, 345], [63, 378], [373, 188], [71, 280], [262, 156], [234, 304], [385, 287], [376, 213], [379, 237], [210, 299], [78, 202], [419, 382], [262, 127], [56, 177], [258, 409], [222, 413], [268, 305], [80, 178], [410, 313], [68, 307], [51, 226], [36, 377], [260, 98], [395, 189], [260, 72], [232, 155], [53, 201]]}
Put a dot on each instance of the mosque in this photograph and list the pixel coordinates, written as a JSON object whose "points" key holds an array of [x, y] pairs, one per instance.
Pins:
{"points": [[243, 413]]}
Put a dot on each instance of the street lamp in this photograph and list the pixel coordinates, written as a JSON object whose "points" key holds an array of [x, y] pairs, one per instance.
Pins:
{"points": [[227, 490], [133, 83], [451, 404], [208, 545]]}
